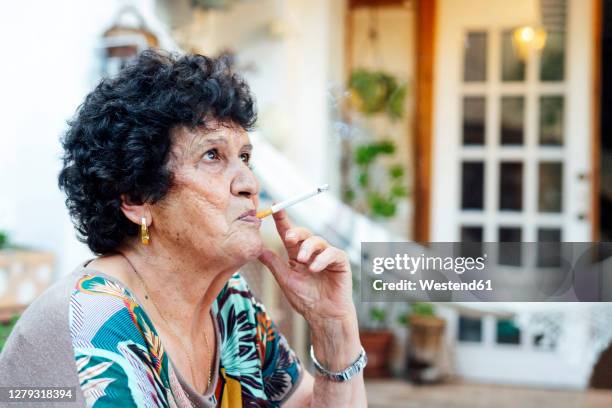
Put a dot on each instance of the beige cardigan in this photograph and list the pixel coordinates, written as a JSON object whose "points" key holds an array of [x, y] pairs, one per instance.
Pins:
{"points": [[39, 351]]}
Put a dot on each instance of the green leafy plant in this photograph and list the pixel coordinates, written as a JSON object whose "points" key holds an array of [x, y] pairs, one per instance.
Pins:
{"points": [[416, 309], [6, 328], [377, 92], [422, 309], [4, 239], [378, 316], [377, 202], [402, 319]]}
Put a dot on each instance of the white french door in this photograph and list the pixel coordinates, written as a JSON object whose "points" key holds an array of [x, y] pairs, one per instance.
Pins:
{"points": [[512, 128]]}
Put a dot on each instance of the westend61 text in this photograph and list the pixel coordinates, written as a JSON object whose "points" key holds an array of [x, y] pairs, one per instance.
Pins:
{"points": [[430, 284]]}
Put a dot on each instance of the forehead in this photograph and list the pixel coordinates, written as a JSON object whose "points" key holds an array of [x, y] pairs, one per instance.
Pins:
{"points": [[191, 140]]}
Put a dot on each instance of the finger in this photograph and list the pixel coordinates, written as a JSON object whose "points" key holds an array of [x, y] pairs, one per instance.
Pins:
{"points": [[295, 235], [330, 256], [281, 220], [311, 246], [275, 264]]}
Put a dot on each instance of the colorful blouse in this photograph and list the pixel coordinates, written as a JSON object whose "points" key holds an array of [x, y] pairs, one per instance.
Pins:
{"points": [[121, 361]]}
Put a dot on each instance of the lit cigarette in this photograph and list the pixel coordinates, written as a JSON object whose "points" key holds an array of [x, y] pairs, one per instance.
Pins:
{"points": [[288, 203]]}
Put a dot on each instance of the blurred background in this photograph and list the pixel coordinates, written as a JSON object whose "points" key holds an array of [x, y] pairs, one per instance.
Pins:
{"points": [[432, 120]]}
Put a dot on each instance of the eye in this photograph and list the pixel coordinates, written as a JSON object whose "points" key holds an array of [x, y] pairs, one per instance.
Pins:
{"points": [[211, 154], [246, 157]]}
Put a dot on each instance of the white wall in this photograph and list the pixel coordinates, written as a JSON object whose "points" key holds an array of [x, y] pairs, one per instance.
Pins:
{"points": [[394, 52], [296, 48], [49, 62], [568, 366]]}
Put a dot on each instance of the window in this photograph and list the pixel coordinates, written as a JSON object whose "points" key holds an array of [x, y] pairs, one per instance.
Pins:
{"points": [[470, 329], [508, 332]]}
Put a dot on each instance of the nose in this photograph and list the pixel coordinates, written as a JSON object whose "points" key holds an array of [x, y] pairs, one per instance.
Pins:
{"points": [[245, 183]]}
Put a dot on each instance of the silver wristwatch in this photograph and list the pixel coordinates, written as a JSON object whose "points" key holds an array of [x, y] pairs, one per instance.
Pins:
{"points": [[346, 374]]}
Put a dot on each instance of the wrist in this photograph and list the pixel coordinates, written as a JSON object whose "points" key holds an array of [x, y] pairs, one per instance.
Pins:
{"points": [[336, 341], [341, 376], [323, 324]]}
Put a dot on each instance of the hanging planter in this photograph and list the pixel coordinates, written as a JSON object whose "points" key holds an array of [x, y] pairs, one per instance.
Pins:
{"points": [[377, 92]]}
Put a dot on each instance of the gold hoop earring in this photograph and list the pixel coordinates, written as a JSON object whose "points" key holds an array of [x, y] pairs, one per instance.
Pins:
{"points": [[144, 231]]}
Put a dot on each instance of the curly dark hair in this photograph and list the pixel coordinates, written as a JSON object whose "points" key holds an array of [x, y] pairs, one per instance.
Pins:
{"points": [[120, 139]]}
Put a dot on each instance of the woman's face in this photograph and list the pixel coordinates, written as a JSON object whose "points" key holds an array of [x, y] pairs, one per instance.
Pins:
{"points": [[210, 210]]}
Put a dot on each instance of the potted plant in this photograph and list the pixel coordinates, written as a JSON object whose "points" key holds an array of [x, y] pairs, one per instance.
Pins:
{"points": [[6, 326], [425, 343], [377, 340], [376, 92]]}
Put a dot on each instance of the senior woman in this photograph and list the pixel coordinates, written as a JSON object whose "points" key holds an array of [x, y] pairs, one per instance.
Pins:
{"points": [[159, 185]]}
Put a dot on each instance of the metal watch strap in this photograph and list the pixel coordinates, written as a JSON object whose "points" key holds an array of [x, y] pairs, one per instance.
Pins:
{"points": [[346, 374]]}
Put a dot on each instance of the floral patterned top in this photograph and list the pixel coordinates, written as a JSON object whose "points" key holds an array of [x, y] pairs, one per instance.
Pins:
{"points": [[121, 361]]}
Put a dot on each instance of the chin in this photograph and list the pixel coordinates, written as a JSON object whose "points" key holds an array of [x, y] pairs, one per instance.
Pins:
{"points": [[250, 249]]}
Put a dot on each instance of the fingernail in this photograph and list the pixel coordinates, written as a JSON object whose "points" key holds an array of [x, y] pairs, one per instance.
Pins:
{"points": [[290, 235], [301, 256]]}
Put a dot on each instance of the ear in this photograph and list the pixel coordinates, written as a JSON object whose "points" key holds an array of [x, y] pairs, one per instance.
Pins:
{"points": [[135, 212]]}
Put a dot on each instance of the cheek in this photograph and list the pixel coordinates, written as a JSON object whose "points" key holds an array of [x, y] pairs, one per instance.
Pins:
{"points": [[208, 213], [207, 197], [194, 217]]}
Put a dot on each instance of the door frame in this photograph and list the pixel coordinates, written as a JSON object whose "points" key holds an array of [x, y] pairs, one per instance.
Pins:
{"points": [[426, 20], [595, 178]]}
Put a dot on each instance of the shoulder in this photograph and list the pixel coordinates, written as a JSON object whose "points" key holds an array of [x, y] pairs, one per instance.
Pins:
{"points": [[48, 311], [40, 341], [45, 319], [103, 313]]}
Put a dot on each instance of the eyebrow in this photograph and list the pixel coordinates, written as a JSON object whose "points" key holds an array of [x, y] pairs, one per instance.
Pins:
{"points": [[205, 142]]}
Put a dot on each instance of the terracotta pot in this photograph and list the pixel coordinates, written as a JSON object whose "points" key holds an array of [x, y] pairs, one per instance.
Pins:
{"points": [[426, 336], [377, 344]]}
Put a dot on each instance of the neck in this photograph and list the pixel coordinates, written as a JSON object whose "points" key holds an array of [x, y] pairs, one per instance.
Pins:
{"points": [[181, 287]]}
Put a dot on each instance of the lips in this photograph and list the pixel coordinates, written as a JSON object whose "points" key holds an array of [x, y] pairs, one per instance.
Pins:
{"points": [[250, 213], [249, 216]]}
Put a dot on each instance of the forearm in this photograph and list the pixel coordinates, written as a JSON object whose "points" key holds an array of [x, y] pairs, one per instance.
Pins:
{"points": [[336, 346]]}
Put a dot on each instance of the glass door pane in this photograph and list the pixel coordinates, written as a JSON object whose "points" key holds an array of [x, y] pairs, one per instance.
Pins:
{"points": [[475, 57], [513, 66], [472, 186], [474, 120], [551, 120], [512, 120], [550, 177], [511, 186]]}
